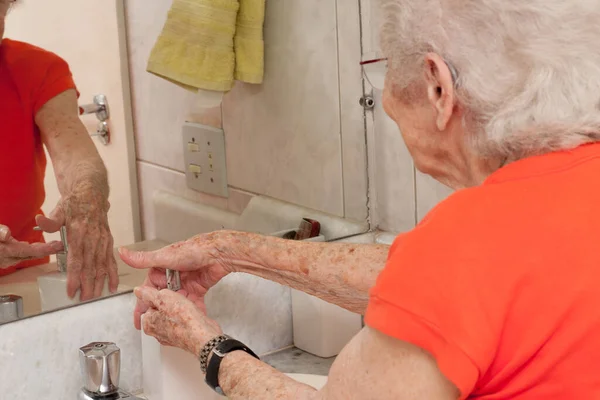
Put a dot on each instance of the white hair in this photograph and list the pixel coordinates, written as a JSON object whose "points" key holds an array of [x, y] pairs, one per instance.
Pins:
{"points": [[528, 70]]}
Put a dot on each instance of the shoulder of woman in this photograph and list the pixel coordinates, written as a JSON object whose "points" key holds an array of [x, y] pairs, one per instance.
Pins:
{"points": [[24, 59]]}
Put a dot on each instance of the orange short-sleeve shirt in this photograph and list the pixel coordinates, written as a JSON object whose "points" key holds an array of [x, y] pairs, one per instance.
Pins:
{"points": [[29, 77], [501, 283]]}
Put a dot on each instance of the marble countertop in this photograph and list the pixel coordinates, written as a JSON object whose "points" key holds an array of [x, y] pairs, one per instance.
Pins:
{"points": [[295, 361]]}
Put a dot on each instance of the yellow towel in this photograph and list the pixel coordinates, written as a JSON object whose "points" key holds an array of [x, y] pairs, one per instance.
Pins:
{"points": [[249, 44], [206, 44]]}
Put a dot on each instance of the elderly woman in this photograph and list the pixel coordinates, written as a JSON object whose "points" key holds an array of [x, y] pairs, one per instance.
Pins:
{"points": [[495, 294], [38, 107]]}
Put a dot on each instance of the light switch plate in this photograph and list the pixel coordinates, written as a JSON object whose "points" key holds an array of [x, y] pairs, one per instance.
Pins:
{"points": [[204, 155]]}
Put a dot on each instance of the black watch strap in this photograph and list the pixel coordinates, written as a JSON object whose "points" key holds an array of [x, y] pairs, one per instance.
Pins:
{"points": [[218, 353]]}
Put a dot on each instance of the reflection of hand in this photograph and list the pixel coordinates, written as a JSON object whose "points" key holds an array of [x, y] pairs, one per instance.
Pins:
{"points": [[90, 259], [201, 260], [175, 320], [12, 252]]}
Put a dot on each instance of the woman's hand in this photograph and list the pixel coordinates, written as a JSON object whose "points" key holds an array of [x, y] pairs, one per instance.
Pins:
{"points": [[202, 261], [174, 320], [91, 256], [12, 252]]}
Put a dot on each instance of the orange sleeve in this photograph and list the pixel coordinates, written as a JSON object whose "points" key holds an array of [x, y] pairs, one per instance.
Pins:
{"points": [[54, 78], [435, 293], [39, 75]]}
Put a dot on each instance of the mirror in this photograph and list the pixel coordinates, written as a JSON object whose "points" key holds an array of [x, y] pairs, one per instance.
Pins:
{"points": [[282, 146], [89, 37]]}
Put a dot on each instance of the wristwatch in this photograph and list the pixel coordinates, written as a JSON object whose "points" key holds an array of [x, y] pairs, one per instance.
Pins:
{"points": [[219, 348]]}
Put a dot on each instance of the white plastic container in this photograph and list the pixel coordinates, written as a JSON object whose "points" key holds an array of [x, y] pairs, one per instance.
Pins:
{"points": [[319, 327]]}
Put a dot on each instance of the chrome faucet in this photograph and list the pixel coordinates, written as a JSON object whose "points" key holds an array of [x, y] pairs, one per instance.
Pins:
{"points": [[61, 257], [100, 364]]}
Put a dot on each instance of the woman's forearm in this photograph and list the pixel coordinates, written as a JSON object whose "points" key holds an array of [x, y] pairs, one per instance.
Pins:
{"points": [[79, 169], [339, 273], [243, 377]]}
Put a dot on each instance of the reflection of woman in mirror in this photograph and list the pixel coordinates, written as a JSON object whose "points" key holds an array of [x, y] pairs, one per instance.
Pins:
{"points": [[38, 107]]}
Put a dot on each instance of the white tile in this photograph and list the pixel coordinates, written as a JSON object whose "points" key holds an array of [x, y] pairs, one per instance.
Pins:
{"points": [[177, 219], [153, 178], [391, 170], [370, 11], [283, 137], [393, 174], [354, 151], [40, 356]]}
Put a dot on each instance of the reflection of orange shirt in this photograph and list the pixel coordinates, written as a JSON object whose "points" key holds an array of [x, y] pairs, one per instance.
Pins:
{"points": [[501, 283], [29, 77]]}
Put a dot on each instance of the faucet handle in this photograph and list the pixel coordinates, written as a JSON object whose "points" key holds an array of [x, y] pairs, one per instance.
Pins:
{"points": [[100, 368], [11, 308], [61, 258]]}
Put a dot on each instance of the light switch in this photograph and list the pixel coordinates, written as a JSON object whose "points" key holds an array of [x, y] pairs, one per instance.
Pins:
{"points": [[195, 169], [204, 159]]}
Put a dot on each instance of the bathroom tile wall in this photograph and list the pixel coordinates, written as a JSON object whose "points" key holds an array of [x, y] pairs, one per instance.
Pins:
{"points": [[392, 173], [299, 137]]}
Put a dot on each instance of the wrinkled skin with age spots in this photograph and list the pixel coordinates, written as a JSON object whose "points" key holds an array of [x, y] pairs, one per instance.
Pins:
{"points": [[175, 320], [83, 208], [339, 273]]}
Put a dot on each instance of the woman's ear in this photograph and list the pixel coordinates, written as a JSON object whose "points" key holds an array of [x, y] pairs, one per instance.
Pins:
{"points": [[440, 89]]}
